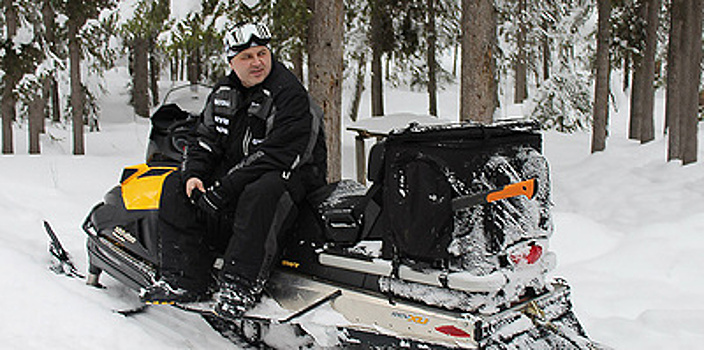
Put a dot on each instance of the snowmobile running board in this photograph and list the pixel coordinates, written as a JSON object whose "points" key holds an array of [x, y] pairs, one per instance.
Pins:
{"points": [[463, 281], [208, 310]]}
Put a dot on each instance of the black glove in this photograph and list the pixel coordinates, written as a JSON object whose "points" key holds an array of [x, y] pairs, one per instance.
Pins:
{"points": [[210, 202]]}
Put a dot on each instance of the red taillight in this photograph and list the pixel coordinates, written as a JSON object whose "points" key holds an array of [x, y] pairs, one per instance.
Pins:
{"points": [[528, 254], [452, 331]]}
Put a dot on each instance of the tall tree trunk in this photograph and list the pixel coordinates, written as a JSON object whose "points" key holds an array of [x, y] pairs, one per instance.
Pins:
{"points": [[684, 72], [520, 89], [626, 71], [603, 71], [140, 77], [692, 45], [432, 65], [51, 86], [182, 66], [9, 100], [192, 63], [297, 58], [675, 78], [478, 89], [635, 119], [153, 75], [643, 92], [46, 94], [325, 73], [36, 115], [377, 84], [173, 68], [55, 101], [358, 87], [77, 99], [546, 50], [8, 116], [647, 131], [455, 58], [377, 66]]}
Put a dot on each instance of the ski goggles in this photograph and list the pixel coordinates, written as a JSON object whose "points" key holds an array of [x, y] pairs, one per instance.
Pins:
{"points": [[244, 36]]}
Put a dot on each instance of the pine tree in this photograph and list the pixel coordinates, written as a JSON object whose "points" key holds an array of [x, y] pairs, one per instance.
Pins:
{"points": [[289, 27], [32, 97], [564, 101], [19, 57], [141, 34], [86, 33], [55, 54]]}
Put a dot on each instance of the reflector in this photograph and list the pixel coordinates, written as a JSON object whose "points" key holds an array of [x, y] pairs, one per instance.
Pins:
{"points": [[452, 331], [528, 254]]}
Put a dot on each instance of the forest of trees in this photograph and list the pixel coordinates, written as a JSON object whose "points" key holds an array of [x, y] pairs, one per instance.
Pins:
{"points": [[559, 56]]}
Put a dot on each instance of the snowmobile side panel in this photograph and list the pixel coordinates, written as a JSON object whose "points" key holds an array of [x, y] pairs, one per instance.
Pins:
{"points": [[141, 190], [107, 257], [543, 321], [373, 313], [133, 230]]}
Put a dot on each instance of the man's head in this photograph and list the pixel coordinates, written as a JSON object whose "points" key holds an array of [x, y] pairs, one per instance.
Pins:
{"points": [[247, 52]]}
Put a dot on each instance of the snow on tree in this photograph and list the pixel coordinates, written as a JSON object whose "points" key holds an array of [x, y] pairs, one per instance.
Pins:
{"points": [[564, 101]]}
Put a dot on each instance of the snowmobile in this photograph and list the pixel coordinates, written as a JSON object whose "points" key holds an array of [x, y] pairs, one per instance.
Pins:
{"points": [[447, 249]]}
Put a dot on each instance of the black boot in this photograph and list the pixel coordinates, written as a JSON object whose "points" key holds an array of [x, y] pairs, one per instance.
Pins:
{"points": [[164, 292], [235, 297]]}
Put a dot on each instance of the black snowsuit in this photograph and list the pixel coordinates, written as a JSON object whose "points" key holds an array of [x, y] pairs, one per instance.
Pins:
{"points": [[265, 146]]}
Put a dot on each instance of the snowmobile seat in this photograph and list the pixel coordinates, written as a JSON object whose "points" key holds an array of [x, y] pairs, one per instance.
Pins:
{"points": [[347, 213]]}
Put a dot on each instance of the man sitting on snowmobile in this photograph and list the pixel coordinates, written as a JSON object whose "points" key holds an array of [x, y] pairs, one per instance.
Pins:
{"points": [[257, 151]]}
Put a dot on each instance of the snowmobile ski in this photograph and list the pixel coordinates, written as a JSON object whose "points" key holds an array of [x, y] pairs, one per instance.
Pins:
{"points": [[132, 311], [205, 308], [62, 263]]}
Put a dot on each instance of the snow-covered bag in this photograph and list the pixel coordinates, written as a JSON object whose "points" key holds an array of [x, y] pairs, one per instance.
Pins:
{"points": [[426, 168]]}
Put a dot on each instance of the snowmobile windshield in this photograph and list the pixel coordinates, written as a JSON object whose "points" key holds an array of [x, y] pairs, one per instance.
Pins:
{"points": [[189, 97]]}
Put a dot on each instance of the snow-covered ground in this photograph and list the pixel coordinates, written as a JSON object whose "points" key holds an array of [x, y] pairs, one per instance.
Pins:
{"points": [[629, 237]]}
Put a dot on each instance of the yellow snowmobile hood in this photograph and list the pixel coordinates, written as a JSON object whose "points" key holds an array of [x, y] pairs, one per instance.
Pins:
{"points": [[141, 185]]}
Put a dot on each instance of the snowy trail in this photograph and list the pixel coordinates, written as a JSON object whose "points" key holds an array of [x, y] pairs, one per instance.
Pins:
{"points": [[629, 240]]}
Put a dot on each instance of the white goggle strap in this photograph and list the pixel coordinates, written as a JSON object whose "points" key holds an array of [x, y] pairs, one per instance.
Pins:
{"points": [[243, 34]]}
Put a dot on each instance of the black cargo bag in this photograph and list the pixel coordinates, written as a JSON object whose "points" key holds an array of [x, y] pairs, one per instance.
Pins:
{"points": [[426, 167]]}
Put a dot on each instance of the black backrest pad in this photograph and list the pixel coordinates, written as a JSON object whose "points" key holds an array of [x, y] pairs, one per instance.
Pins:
{"points": [[375, 168]]}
